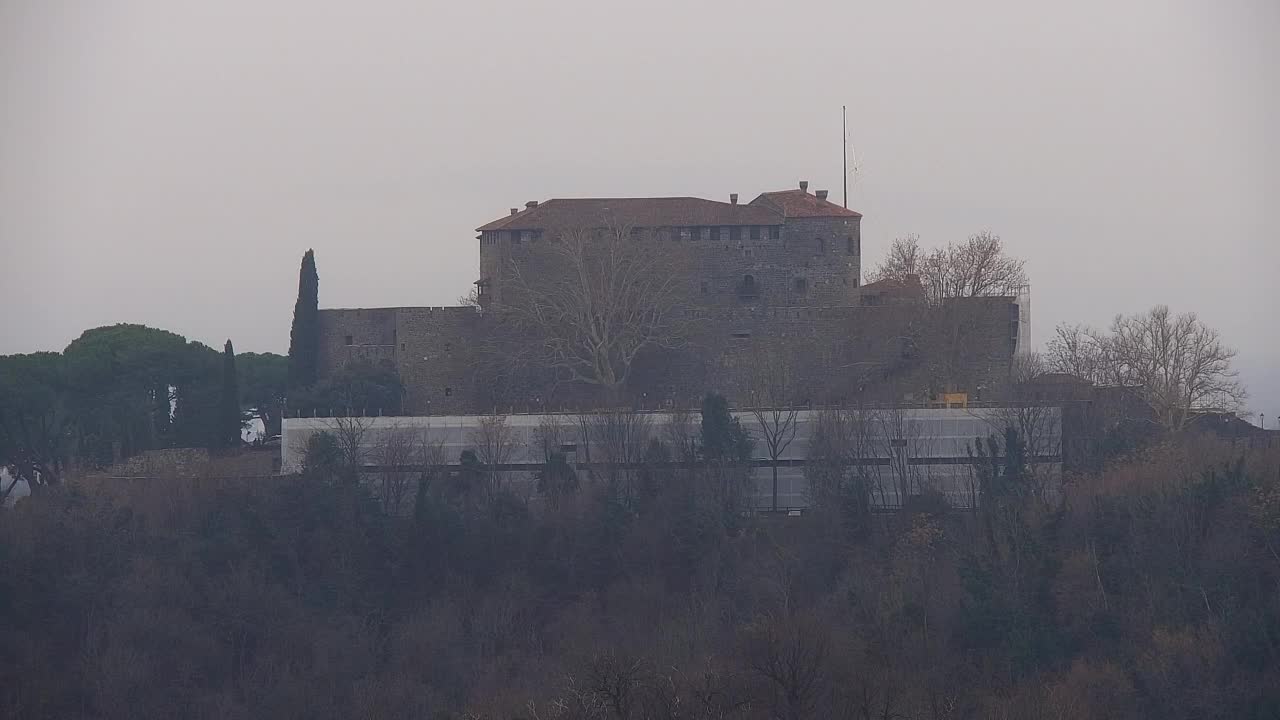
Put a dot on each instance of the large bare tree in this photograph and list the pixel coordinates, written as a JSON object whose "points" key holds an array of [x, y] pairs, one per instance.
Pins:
{"points": [[1078, 350], [590, 300], [773, 390], [1180, 364], [977, 267]]}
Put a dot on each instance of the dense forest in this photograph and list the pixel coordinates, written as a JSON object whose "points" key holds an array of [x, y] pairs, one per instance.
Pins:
{"points": [[1146, 590]]}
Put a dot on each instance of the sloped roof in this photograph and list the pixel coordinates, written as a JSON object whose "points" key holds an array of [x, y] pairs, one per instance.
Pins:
{"points": [[634, 212], [910, 285], [799, 203]]}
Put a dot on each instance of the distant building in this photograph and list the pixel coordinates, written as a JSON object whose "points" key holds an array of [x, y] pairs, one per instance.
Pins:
{"points": [[780, 274]]}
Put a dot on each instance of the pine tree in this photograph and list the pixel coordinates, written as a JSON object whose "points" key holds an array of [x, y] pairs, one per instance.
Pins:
{"points": [[304, 337], [229, 423]]}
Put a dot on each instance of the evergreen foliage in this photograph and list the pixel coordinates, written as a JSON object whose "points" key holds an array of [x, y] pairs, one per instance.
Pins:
{"points": [[230, 424], [304, 335]]}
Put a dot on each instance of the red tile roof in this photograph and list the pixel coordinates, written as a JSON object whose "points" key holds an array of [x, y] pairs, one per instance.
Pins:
{"points": [[635, 212], [799, 203]]}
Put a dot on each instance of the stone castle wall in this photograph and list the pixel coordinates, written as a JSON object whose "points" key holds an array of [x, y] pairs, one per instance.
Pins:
{"points": [[884, 353], [812, 262]]}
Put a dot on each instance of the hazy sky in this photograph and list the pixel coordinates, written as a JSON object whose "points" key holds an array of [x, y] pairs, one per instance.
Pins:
{"points": [[167, 161]]}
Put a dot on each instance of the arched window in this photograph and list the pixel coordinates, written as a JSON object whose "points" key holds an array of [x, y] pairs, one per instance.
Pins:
{"points": [[748, 285], [822, 246]]}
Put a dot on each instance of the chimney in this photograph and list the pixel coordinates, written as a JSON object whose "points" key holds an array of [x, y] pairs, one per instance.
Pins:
{"points": [[804, 186], [531, 204], [515, 210], [822, 194], [733, 198]]}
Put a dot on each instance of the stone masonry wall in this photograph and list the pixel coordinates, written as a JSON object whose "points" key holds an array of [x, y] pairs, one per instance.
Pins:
{"points": [[353, 334], [814, 262]]}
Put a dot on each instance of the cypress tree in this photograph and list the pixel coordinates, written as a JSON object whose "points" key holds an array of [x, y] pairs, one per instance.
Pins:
{"points": [[229, 424], [304, 337]]}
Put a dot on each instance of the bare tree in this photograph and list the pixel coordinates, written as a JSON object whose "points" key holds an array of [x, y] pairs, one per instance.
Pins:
{"points": [[901, 439], [398, 449], [791, 656], [681, 434], [1180, 364], [977, 267], [1179, 361], [842, 450], [903, 260], [350, 433], [593, 300], [494, 442], [773, 397], [1077, 350], [617, 440], [1026, 367]]}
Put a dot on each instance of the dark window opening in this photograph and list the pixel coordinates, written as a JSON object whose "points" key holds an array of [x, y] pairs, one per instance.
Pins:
{"points": [[448, 392], [401, 346], [748, 286], [852, 244], [567, 448], [755, 232], [735, 234], [775, 233], [348, 340], [741, 335], [686, 233], [870, 300], [448, 347], [822, 246], [800, 285]]}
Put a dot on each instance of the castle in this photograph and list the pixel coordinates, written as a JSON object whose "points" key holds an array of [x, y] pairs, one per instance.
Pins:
{"points": [[777, 276]]}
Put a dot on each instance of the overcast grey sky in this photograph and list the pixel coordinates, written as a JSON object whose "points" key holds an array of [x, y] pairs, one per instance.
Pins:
{"points": [[167, 161]]}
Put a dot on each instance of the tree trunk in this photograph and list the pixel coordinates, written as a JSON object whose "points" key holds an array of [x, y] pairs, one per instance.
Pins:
{"points": [[775, 484]]}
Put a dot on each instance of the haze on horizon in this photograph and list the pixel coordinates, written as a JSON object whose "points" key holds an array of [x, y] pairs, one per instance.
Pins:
{"points": [[167, 163]]}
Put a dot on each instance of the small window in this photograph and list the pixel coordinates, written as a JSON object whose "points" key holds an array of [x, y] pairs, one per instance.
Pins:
{"points": [[448, 347], [741, 335], [735, 233], [748, 285], [755, 232], [775, 233], [822, 246], [800, 285], [686, 233], [852, 244], [709, 233], [348, 340], [448, 392], [401, 346], [718, 233], [637, 233], [567, 448], [704, 287]]}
